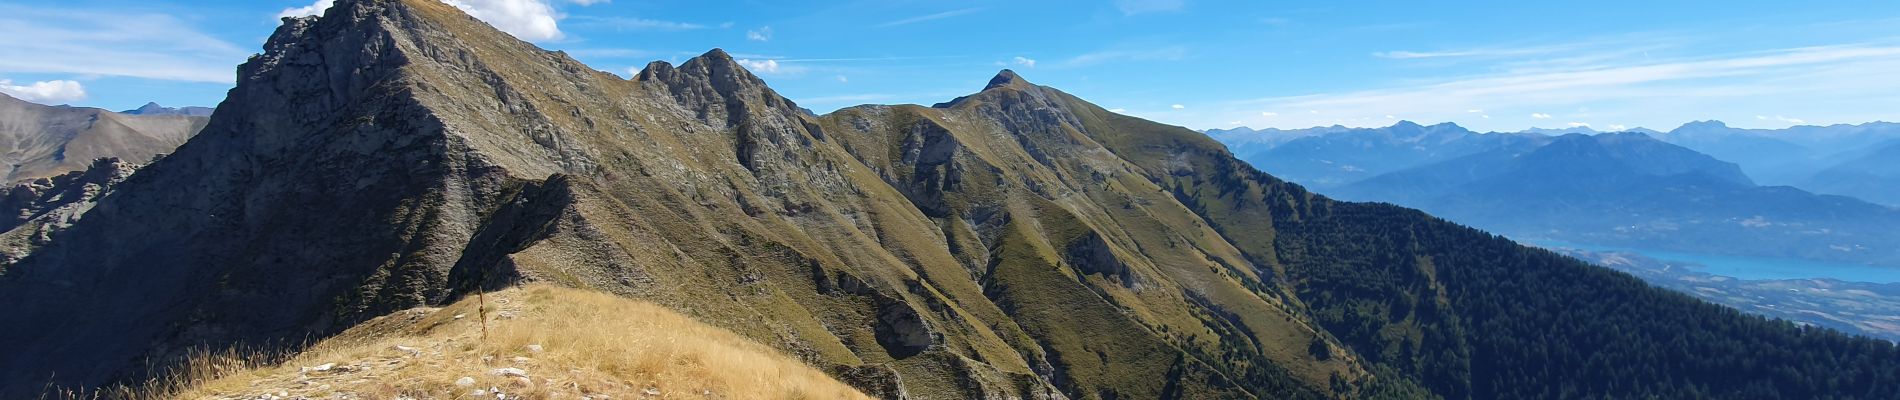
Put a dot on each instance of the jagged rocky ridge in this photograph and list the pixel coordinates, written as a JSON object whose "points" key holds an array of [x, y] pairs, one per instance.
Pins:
{"points": [[1015, 243]]}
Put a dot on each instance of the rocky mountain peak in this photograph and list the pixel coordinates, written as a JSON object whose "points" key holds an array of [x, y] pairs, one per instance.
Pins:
{"points": [[715, 86], [1007, 78]]}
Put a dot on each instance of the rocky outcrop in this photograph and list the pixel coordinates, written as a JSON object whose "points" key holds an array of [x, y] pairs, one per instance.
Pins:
{"points": [[37, 209]]}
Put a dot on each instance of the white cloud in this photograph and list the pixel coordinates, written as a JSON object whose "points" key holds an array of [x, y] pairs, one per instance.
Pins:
{"points": [[1540, 115], [1178, 107], [760, 66], [313, 9], [1118, 110], [1132, 7], [1618, 128], [843, 79], [937, 16], [1789, 120], [1025, 62], [84, 42], [1474, 111], [1580, 125], [1389, 116], [1269, 114], [763, 34], [45, 92], [531, 20]]}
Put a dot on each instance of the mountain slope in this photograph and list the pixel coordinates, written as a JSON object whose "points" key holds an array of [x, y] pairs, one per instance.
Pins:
{"points": [[1017, 242], [44, 141], [533, 342], [1465, 314], [1874, 176]]}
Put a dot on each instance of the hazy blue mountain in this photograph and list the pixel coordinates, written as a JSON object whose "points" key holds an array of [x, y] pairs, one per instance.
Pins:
{"points": [[1331, 157], [1628, 189], [1872, 176], [1782, 156]]}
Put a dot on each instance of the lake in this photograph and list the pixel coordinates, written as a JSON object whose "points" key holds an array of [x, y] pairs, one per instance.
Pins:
{"points": [[1758, 268]]}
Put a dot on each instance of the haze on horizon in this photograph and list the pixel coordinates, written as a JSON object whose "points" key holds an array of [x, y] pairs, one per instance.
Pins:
{"points": [[1488, 66]]}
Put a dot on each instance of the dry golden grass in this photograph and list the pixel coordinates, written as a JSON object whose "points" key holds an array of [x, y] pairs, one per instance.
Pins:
{"points": [[571, 344]]}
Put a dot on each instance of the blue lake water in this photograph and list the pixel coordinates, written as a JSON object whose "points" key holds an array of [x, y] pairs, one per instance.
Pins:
{"points": [[1745, 267]]}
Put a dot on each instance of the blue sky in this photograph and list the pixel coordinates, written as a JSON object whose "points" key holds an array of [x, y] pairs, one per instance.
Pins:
{"points": [[1202, 64]]}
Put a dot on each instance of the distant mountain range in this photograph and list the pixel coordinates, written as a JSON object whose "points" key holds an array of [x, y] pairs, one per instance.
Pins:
{"points": [[1621, 189], [43, 141], [1852, 160], [154, 109], [1331, 157], [1874, 176]]}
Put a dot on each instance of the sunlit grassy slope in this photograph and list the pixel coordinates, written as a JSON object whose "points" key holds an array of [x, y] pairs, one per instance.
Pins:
{"points": [[541, 342]]}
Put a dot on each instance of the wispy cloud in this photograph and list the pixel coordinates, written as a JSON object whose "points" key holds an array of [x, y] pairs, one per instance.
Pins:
{"points": [[612, 53], [634, 24], [1472, 53], [848, 98], [1779, 118], [1133, 7], [1168, 53], [112, 43], [1024, 62], [1631, 86], [931, 17]]}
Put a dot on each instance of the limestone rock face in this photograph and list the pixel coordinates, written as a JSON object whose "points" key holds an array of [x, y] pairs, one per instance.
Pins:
{"points": [[396, 153], [47, 141]]}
